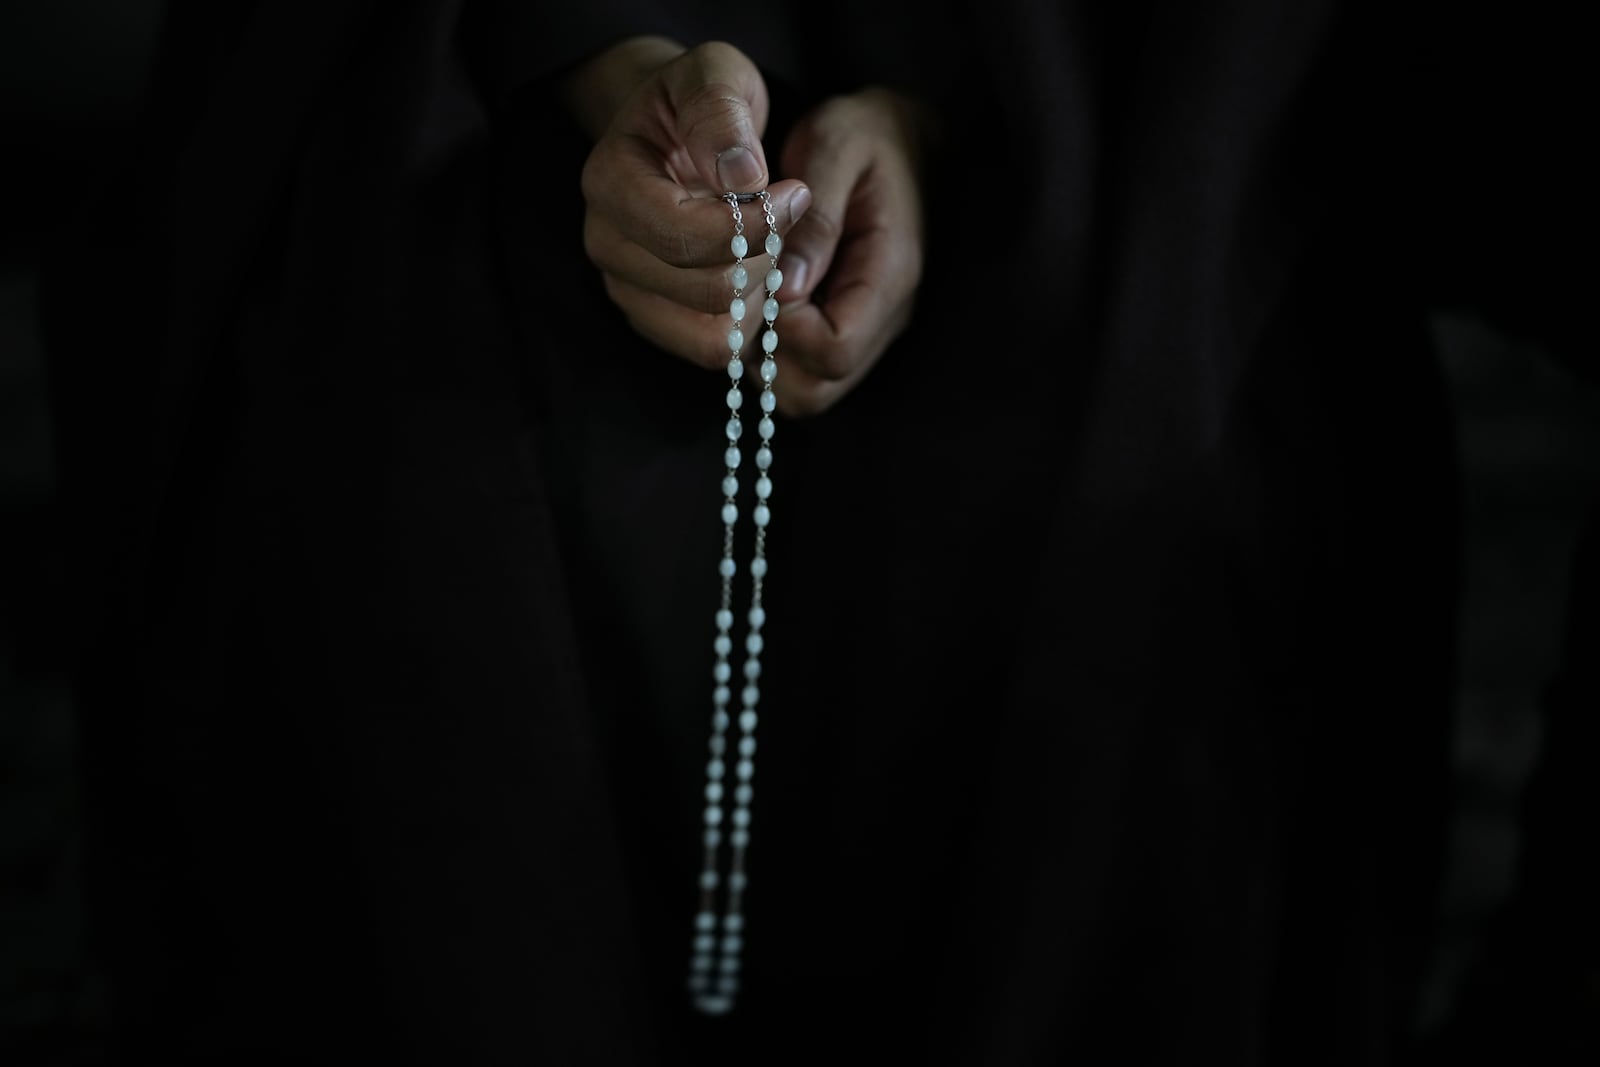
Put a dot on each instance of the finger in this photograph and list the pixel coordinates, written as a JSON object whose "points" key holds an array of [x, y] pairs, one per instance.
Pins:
{"points": [[704, 289], [700, 338], [828, 349], [719, 103], [623, 182], [801, 393], [690, 265], [865, 305], [831, 166]]}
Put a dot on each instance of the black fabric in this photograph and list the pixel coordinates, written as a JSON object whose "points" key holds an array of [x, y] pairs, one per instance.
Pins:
{"points": [[1109, 653]]}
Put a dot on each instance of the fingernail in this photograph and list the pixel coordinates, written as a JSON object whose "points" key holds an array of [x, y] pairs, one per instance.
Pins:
{"points": [[799, 203], [738, 169], [794, 276]]}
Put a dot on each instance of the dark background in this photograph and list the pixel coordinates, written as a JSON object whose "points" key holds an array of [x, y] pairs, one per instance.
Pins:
{"points": [[71, 74]]}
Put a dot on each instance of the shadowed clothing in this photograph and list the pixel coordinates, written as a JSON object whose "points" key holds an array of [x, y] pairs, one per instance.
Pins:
{"points": [[1103, 711]]}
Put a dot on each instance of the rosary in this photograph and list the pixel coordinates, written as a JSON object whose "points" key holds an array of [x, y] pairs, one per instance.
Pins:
{"points": [[714, 962]]}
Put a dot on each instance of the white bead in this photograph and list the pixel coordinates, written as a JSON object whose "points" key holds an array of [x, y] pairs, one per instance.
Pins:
{"points": [[758, 617], [708, 879], [714, 769], [739, 838], [730, 486], [747, 748], [762, 514], [723, 644], [741, 817], [727, 985], [764, 457], [735, 399], [748, 720], [717, 744], [713, 815], [774, 280], [763, 486], [718, 1005], [745, 769], [713, 791], [736, 309], [731, 923], [769, 401], [700, 963], [769, 310], [732, 944], [774, 245], [769, 341], [699, 983], [719, 722], [758, 568], [727, 567], [736, 369], [731, 457], [736, 340], [720, 695], [724, 619], [767, 427], [734, 429], [740, 246], [729, 964], [751, 695], [738, 880], [743, 794], [740, 277], [706, 942], [752, 669], [707, 921], [769, 368], [722, 672], [730, 514], [753, 644]]}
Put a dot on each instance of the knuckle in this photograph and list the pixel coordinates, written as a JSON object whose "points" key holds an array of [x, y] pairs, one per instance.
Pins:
{"points": [[712, 95], [711, 111]]}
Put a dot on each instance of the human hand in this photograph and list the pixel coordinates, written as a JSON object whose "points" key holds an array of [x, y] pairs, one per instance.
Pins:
{"points": [[853, 262], [675, 130]]}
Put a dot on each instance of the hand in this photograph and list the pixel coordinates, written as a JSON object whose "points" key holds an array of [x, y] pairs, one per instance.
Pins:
{"points": [[852, 264], [676, 129]]}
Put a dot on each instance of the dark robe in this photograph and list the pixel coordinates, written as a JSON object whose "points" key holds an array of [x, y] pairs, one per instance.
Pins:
{"points": [[1107, 668]]}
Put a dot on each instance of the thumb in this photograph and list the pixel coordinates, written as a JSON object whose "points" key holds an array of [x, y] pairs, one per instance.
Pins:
{"points": [[719, 101]]}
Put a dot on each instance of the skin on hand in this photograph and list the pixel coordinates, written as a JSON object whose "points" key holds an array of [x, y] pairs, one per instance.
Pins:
{"points": [[853, 263], [675, 129]]}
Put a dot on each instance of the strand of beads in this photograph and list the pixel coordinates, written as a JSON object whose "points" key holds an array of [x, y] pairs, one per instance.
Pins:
{"points": [[714, 963]]}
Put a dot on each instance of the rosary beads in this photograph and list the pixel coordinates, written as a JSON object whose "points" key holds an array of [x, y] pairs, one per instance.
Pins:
{"points": [[719, 924]]}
